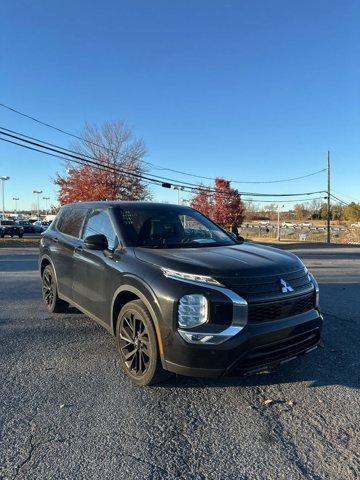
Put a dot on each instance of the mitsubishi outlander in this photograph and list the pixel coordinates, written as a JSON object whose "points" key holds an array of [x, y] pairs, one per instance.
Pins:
{"points": [[178, 292]]}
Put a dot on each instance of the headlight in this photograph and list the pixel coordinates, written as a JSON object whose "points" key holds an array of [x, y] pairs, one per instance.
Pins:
{"points": [[192, 311], [316, 287], [189, 277]]}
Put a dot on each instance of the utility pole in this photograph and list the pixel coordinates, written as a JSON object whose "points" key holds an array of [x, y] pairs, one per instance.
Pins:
{"points": [[328, 225], [278, 221]]}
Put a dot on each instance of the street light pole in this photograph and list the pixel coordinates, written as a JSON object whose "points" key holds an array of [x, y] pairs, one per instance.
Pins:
{"points": [[175, 187], [16, 200], [3, 180], [46, 203], [38, 192]]}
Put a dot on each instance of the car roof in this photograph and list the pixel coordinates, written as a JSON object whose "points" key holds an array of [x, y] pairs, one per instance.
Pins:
{"points": [[125, 204]]}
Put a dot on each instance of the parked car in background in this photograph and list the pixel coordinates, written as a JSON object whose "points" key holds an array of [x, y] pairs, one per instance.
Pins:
{"points": [[288, 224], [306, 224], [9, 227], [40, 226], [178, 292], [26, 225], [355, 225]]}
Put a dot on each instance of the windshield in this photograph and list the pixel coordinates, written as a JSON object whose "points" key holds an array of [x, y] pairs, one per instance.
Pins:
{"points": [[7, 222], [170, 228]]}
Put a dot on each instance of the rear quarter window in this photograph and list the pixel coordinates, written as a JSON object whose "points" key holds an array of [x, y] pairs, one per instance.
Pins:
{"points": [[70, 221]]}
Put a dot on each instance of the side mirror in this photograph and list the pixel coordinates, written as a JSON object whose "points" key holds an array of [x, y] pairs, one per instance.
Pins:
{"points": [[96, 242]]}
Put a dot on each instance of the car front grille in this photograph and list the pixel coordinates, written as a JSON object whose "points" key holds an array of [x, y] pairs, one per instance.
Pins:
{"points": [[268, 311], [268, 288]]}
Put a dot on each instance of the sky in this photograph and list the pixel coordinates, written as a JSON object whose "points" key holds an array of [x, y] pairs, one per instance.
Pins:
{"points": [[248, 90]]}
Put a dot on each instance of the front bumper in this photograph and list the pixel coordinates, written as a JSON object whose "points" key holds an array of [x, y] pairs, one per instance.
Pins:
{"points": [[255, 348]]}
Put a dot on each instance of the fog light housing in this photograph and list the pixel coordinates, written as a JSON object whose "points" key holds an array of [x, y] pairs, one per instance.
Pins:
{"points": [[192, 311]]}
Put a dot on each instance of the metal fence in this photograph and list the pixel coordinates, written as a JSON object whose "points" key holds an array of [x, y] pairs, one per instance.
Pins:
{"points": [[300, 234]]}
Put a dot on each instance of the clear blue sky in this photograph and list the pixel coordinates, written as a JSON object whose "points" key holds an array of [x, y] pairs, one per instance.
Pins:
{"points": [[250, 90]]}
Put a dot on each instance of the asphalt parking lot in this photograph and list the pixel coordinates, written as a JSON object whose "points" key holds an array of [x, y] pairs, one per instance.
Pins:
{"points": [[67, 411]]}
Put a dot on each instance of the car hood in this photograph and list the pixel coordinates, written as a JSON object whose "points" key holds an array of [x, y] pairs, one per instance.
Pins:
{"points": [[233, 261]]}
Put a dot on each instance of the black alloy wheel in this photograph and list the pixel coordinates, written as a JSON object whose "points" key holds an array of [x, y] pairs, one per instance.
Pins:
{"points": [[134, 344], [137, 345], [51, 298], [48, 286]]}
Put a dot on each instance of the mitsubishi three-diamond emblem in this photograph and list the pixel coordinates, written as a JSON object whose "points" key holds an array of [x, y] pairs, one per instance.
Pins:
{"points": [[285, 287]]}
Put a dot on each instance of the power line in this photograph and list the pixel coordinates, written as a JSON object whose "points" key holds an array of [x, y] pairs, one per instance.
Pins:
{"points": [[90, 160], [109, 168], [237, 181], [345, 195], [79, 162], [283, 201], [84, 156], [339, 200], [157, 167]]}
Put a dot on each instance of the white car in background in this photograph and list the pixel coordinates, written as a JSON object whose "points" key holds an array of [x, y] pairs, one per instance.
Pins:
{"points": [[40, 226], [288, 224]]}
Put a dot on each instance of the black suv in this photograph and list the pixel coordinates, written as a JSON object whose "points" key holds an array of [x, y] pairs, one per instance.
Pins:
{"points": [[179, 293], [26, 225], [9, 227]]}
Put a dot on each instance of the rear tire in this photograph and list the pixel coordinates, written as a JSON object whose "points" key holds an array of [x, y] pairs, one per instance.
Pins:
{"points": [[137, 345], [20, 235], [52, 302]]}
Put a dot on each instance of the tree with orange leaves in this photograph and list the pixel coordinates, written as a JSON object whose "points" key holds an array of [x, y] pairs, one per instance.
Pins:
{"points": [[119, 156], [221, 203]]}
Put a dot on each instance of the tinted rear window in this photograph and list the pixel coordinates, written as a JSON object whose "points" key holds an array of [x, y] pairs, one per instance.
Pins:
{"points": [[70, 220]]}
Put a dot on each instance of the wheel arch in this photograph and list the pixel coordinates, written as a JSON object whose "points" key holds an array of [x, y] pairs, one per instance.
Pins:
{"points": [[128, 292], [44, 261]]}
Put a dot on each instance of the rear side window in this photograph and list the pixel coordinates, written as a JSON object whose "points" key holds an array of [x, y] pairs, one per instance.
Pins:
{"points": [[99, 223], [70, 221]]}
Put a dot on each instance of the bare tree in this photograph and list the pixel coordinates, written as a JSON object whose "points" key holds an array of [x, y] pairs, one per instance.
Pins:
{"points": [[121, 157], [315, 208]]}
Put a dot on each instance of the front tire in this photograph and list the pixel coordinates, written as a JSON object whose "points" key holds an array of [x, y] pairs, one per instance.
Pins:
{"points": [[52, 302], [137, 345]]}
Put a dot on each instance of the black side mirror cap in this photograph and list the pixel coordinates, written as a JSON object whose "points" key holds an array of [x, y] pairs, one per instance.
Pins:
{"points": [[96, 242]]}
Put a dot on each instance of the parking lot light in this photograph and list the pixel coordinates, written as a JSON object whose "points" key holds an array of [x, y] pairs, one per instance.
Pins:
{"points": [[15, 200], [38, 192], [46, 203], [3, 179]]}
